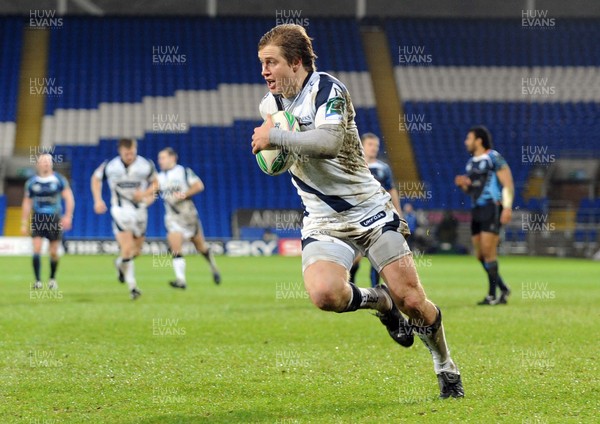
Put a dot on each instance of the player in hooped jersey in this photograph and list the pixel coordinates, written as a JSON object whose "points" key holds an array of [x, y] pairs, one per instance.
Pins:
{"points": [[346, 209], [43, 195], [177, 185], [490, 184], [132, 182]]}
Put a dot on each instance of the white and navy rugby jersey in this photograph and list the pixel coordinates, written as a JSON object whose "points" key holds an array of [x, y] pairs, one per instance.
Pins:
{"points": [[326, 185], [46, 193], [123, 180], [177, 179], [485, 186]]}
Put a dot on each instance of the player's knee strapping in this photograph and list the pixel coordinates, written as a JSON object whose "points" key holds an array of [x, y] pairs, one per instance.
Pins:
{"points": [[389, 247]]}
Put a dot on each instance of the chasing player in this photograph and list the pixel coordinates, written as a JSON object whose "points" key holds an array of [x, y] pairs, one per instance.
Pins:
{"points": [[132, 182], [382, 173], [177, 186], [346, 209], [43, 194], [489, 182]]}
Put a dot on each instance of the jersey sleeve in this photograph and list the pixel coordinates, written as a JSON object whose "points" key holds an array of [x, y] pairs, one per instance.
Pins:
{"points": [[330, 104], [388, 181], [191, 177], [100, 172], [64, 183], [498, 161]]}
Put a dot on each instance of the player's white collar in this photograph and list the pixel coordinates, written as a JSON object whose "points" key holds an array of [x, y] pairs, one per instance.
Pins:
{"points": [[45, 179], [482, 156]]}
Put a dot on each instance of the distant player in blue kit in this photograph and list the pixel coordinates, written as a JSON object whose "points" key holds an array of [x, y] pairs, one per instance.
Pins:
{"points": [[346, 211], [44, 193], [382, 173], [489, 182]]}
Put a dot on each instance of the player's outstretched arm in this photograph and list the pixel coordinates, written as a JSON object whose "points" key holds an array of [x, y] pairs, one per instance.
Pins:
{"points": [[508, 193], [96, 187], [67, 219], [25, 212]]}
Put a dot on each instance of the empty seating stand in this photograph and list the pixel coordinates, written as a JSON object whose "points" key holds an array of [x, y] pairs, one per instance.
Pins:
{"points": [[470, 72]]}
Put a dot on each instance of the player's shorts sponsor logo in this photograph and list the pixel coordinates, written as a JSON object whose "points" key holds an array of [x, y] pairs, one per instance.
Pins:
{"points": [[372, 219]]}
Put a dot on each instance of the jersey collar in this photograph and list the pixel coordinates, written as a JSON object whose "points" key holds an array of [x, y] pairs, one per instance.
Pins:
{"points": [[279, 97]]}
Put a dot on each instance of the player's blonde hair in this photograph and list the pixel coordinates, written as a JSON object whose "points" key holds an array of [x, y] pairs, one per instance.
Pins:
{"points": [[294, 43]]}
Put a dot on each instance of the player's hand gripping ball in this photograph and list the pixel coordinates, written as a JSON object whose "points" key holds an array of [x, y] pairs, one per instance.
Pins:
{"points": [[274, 160]]}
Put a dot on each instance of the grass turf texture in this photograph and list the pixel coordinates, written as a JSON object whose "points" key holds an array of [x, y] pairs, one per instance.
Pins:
{"points": [[255, 350]]}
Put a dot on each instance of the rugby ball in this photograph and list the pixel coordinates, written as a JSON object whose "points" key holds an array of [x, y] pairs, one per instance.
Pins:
{"points": [[278, 160]]}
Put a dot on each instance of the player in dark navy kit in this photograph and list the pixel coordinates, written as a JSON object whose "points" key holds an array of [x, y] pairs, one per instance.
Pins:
{"points": [[489, 182], [382, 173], [43, 194]]}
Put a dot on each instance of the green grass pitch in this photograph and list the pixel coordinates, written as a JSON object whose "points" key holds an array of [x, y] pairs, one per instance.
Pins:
{"points": [[255, 350]]}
